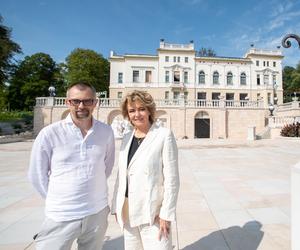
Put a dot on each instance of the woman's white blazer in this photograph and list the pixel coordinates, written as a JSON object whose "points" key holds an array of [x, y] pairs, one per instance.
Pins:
{"points": [[153, 178]]}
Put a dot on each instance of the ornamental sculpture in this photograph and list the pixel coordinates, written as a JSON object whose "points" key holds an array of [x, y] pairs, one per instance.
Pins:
{"points": [[286, 43]]}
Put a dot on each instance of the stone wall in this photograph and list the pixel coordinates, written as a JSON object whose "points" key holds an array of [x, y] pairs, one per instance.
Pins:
{"points": [[224, 122]]}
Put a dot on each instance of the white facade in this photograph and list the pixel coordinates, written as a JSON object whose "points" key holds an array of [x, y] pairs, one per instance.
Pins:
{"points": [[176, 70]]}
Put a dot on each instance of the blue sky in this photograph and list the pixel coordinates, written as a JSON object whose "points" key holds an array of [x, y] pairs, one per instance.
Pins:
{"points": [[57, 27]]}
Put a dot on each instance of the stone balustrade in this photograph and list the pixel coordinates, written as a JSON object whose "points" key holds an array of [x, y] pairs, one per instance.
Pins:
{"points": [[116, 103], [280, 121], [288, 106]]}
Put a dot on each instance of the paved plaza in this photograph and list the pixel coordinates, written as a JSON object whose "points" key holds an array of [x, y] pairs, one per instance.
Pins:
{"points": [[234, 195]]}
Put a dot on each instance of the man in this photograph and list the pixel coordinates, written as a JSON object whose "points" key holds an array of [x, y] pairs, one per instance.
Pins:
{"points": [[70, 163]]}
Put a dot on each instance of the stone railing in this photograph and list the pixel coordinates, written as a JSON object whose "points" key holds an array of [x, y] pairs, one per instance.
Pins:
{"points": [[177, 46], [265, 52], [116, 103], [288, 106], [280, 121]]}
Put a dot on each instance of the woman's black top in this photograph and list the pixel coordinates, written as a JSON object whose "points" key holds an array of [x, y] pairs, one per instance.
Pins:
{"points": [[136, 142]]}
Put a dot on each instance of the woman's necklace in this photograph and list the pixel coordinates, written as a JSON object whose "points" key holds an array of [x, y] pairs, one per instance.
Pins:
{"points": [[139, 140]]}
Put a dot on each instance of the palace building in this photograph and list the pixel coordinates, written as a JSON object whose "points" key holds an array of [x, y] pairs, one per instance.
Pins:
{"points": [[196, 96], [177, 70]]}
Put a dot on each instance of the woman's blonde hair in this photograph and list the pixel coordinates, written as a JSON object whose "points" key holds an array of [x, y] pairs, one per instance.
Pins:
{"points": [[142, 96]]}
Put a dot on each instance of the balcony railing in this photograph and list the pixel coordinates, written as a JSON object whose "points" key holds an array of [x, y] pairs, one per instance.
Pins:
{"points": [[180, 102], [280, 121], [288, 106]]}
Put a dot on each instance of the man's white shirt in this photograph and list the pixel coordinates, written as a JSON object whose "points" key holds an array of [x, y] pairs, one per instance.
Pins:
{"points": [[70, 171]]}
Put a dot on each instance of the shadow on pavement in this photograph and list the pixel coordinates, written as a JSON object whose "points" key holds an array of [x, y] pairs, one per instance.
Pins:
{"points": [[247, 237], [114, 244]]}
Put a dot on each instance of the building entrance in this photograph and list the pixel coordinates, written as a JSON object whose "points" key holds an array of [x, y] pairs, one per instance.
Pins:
{"points": [[202, 128], [202, 125]]}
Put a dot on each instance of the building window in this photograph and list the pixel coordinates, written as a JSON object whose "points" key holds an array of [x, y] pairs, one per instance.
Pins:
{"points": [[167, 76], [269, 98], [174, 59], [186, 95], [264, 63], [178, 59], [257, 63], [167, 96], [215, 95], [274, 79], [266, 79], [185, 77], [229, 78], [186, 59], [215, 77], [148, 76], [258, 96], [176, 76], [201, 77], [135, 76], [267, 63], [119, 95], [176, 95], [201, 95], [258, 79], [166, 58], [243, 78], [120, 77], [229, 96], [243, 96], [274, 64]]}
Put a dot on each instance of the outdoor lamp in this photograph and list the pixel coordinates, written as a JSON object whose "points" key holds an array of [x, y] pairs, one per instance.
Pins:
{"points": [[51, 90], [271, 109]]}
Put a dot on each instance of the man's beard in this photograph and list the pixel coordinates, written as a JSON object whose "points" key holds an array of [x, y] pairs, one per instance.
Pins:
{"points": [[82, 114]]}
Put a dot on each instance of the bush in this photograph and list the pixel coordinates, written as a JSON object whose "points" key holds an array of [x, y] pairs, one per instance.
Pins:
{"points": [[291, 130], [16, 126], [16, 116]]}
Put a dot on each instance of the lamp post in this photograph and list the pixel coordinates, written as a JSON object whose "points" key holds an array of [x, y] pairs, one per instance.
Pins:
{"points": [[275, 99], [271, 109], [51, 90], [103, 94], [286, 43]]}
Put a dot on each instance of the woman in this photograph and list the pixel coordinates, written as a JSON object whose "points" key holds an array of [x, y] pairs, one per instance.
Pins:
{"points": [[147, 185]]}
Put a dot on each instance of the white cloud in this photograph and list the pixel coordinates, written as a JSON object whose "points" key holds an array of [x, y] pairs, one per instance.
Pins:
{"points": [[281, 19]]}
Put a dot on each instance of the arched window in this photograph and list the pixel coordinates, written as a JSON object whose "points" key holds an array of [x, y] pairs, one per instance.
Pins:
{"points": [[229, 78], [216, 77], [201, 77], [243, 78]]}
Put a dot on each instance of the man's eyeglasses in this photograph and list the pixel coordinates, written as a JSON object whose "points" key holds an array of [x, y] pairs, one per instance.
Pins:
{"points": [[86, 102]]}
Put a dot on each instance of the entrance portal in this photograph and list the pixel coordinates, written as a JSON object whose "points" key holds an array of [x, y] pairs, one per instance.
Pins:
{"points": [[202, 125]]}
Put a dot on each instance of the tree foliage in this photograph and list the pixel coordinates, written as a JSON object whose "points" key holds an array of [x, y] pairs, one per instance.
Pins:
{"points": [[8, 48], [206, 52], [291, 81], [30, 79], [87, 65]]}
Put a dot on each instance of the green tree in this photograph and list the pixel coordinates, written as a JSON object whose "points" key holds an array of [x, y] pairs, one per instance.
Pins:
{"points": [[87, 65], [60, 79], [291, 82], [207, 52], [8, 48], [30, 79], [296, 79]]}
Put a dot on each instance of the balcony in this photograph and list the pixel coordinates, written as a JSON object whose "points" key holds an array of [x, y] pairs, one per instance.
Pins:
{"points": [[177, 85], [173, 46]]}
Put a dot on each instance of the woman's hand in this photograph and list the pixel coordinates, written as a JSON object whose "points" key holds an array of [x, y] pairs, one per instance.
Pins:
{"points": [[164, 228]]}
